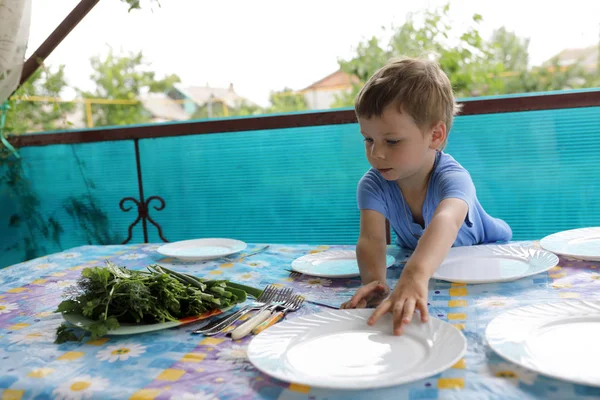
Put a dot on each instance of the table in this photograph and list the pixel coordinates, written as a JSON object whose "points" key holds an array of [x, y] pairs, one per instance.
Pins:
{"points": [[174, 364]]}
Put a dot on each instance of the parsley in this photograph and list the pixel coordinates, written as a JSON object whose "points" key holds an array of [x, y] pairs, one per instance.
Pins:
{"points": [[112, 295]]}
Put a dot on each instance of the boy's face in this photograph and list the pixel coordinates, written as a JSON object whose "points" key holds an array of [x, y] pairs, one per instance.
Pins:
{"points": [[395, 145]]}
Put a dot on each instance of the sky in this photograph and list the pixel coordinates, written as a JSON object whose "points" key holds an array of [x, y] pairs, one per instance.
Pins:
{"points": [[265, 45]]}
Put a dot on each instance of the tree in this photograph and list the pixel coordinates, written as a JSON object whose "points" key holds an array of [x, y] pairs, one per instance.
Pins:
{"points": [[553, 76], [33, 107], [246, 108], [510, 50], [476, 67], [286, 101], [123, 78], [136, 4], [513, 52], [468, 62]]}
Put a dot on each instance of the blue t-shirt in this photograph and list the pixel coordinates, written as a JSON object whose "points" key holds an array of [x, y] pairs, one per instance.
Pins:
{"points": [[448, 180]]}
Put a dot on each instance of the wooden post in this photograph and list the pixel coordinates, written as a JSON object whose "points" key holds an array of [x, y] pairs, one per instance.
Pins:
{"points": [[55, 38]]}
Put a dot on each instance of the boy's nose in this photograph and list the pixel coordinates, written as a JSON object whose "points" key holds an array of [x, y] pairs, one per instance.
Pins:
{"points": [[377, 152]]}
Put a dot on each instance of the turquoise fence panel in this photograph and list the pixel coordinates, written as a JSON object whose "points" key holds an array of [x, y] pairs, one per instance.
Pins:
{"points": [[537, 170], [295, 185], [63, 196]]}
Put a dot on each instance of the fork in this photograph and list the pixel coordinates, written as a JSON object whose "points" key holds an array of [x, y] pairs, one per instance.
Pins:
{"points": [[219, 325], [245, 328], [293, 304], [294, 274], [246, 255]]}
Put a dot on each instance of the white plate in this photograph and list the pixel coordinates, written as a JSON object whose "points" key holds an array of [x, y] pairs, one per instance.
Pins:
{"points": [[201, 249], [132, 329], [559, 340], [581, 243], [332, 264], [493, 263], [337, 350]]}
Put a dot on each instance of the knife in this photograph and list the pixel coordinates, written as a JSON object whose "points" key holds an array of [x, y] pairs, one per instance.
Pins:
{"points": [[318, 303]]}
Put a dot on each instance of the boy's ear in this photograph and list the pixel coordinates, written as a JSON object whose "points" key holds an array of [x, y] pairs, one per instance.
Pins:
{"points": [[438, 135]]}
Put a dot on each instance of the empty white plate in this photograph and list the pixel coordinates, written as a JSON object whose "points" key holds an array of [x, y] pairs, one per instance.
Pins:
{"points": [[331, 264], [583, 243], [338, 350], [559, 340], [493, 263], [201, 249]]}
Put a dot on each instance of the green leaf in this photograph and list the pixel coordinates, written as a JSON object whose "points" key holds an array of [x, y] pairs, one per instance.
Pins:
{"points": [[252, 291], [68, 306], [65, 334], [240, 295]]}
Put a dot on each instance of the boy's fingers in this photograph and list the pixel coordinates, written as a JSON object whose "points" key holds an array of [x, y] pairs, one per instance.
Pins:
{"points": [[362, 304], [379, 311], [362, 292], [397, 316], [380, 287], [422, 306], [409, 310]]}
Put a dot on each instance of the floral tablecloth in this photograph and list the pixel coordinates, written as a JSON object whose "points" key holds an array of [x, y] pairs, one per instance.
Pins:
{"points": [[174, 364]]}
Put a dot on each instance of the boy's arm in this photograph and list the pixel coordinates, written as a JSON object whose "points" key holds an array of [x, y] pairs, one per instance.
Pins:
{"points": [[410, 292], [370, 254], [437, 238], [371, 246]]}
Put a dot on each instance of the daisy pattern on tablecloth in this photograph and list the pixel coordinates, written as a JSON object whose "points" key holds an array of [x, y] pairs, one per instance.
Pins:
{"points": [[60, 284], [496, 301], [68, 256], [133, 256], [45, 266], [79, 388], [247, 276], [314, 282], [511, 372], [235, 354], [151, 248], [121, 352], [26, 337], [257, 263], [194, 396], [6, 308]]}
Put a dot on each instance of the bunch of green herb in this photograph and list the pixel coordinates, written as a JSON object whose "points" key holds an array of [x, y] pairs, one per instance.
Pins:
{"points": [[112, 295]]}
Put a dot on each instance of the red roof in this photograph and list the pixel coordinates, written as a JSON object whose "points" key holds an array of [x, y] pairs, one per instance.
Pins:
{"points": [[336, 79]]}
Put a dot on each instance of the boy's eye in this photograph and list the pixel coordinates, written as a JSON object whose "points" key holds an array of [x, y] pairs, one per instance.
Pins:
{"points": [[368, 140], [392, 142]]}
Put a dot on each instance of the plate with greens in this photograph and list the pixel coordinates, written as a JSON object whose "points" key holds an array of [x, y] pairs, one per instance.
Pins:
{"points": [[117, 301]]}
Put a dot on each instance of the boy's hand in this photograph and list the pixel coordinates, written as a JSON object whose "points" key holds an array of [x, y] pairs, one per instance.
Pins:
{"points": [[369, 295], [409, 295]]}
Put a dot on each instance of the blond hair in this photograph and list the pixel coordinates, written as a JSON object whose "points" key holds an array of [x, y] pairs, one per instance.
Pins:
{"points": [[416, 86]]}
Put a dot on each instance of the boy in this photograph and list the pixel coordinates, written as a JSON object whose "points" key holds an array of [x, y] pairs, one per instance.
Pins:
{"points": [[405, 112]]}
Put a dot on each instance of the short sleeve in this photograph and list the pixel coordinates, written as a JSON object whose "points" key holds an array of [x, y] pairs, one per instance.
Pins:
{"points": [[369, 194], [457, 184]]}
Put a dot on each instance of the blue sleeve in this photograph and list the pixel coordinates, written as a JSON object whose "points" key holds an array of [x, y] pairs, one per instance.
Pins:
{"points": [[369, 194], [457, 184]]}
